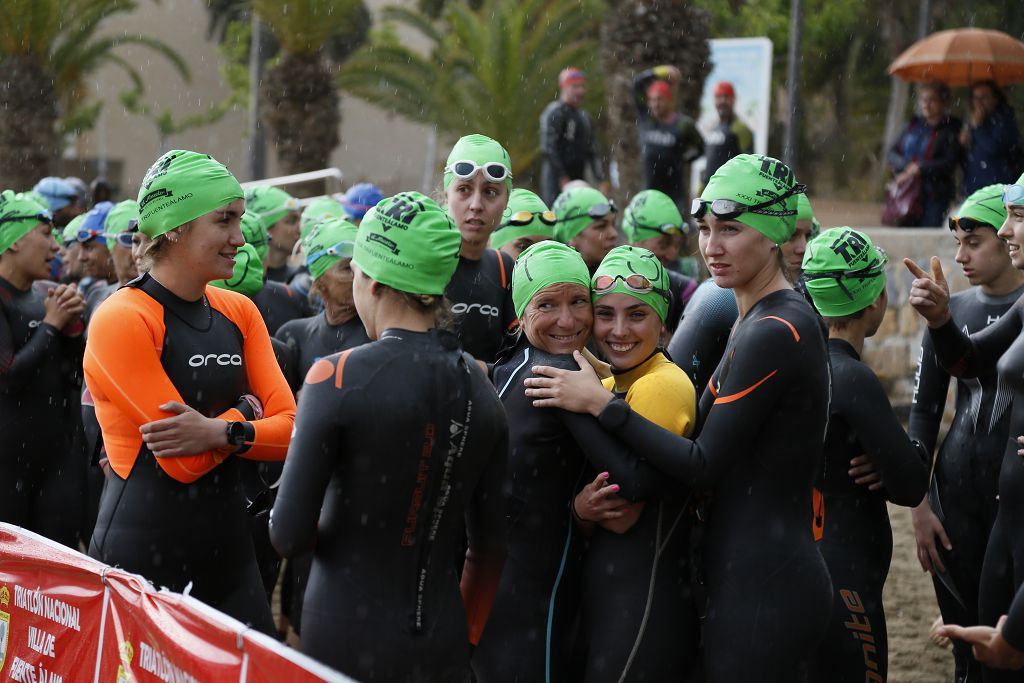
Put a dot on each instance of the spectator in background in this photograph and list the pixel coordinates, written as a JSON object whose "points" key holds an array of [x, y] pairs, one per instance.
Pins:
{"points": [[730, 137], [567, 138], [100, 190], [61, 198], [929, 147], [669, 140], [82, 195], [359, 199], [991, 140]]}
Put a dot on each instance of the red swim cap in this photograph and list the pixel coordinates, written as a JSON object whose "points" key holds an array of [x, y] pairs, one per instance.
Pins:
{"points": [[725, 88], [659, 88], [570, 75]]}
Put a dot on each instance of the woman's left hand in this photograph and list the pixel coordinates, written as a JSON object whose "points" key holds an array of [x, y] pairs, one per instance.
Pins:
{"points": [[576, 391], [187, 433]]}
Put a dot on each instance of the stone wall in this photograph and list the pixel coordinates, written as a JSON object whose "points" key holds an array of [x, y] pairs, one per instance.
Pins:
{"points": [[892, 352]]}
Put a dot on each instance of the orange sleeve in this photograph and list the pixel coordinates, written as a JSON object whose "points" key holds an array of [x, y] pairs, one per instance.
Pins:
{"points": [[124, 374], [266, 381]]}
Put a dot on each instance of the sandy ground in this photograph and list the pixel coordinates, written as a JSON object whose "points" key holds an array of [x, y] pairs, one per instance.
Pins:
{"points": [[910, 609]]}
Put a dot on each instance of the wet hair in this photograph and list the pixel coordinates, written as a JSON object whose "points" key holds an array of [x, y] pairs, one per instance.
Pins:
{"points": [[436, 305]]}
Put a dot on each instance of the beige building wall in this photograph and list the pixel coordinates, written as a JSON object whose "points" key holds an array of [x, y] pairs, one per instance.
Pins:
{"points": [[375, 146]]}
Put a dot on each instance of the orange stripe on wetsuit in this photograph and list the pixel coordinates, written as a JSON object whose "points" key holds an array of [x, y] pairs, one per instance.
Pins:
{"points": [[740, 394], [128, 382]]}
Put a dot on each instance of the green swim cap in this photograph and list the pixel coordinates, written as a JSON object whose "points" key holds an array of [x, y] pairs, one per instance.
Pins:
{"points": [[752, 179], [182, 186], [985, 205], [544, 264], [19, 214], [481, 150], [270, 204], [651, 213], [804, 212], [71, 229], [844, 271], [522, 201], [119, 220], [254, 233], [621, 263], [572, 208], [330, 242], [247, 277], [409, 243], [316, 212]]}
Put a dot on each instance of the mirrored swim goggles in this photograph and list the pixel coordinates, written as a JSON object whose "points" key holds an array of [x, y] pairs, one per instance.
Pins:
{"points": [[340, 250], [968, 224], [84, 235], [873, 269], [597, 211], [603, 284], [494, 171], [520, 218], [1013, 194], [727, 209]]}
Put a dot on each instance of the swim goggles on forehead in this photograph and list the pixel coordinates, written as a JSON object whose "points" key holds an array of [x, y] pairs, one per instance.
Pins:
{"points": [[727, 209], [526, 217], [41, 217], [122, 238], [664, 228], [871, 270], [634, 283], [597, 211], [86, 235], [494, 171], [1013, 194], [341, 250], [968, 224]]}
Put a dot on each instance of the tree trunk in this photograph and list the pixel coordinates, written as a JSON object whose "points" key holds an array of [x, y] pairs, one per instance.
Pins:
{"points": [[300, 109], [28, 120], [638, 35]]}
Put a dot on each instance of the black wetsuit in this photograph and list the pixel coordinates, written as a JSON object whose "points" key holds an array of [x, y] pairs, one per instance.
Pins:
{"points": [[40, 375], [682, 289], [667, 149], [999, 346], [480, 294], [769, 592], [856, 538], [387, 460], [569, 146], [700, 338], [965, 488], [310, 339], [282, 274], [175, 533], [307, 340], [278, 303], [528, 635]]}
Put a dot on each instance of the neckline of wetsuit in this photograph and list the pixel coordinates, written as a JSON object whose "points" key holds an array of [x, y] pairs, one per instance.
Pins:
{"points": [[990, 300], [843, 346], [619, 372], [8, 285], [447, 339], [624, 379], [196, 314]]}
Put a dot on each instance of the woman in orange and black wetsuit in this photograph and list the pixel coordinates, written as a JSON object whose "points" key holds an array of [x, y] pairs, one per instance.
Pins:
{"points": [[184, 377]]}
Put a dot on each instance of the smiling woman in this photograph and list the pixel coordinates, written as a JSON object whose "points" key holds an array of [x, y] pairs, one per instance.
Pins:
{"points": [[184, 377]]}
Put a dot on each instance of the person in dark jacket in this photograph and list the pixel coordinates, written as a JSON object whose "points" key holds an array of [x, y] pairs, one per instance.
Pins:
{"points": [[567, 137], [991, 139], [929, 147]]}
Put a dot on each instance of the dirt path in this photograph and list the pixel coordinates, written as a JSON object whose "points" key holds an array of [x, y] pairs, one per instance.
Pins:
{"points": [[910, 609]]}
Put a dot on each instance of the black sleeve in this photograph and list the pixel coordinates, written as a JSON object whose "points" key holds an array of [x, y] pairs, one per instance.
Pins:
{"points": [[485, 512], [901, 462], [287, 358], [552, 129], [596, 167], [897, 161], [18, 366], [640, 83], [930, 391], [970, 356], [702, 334], [691, 142], [308, 467], [760, 372]]}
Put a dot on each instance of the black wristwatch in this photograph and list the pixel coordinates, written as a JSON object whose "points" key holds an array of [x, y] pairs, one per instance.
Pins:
{"points": [[237, 433]]}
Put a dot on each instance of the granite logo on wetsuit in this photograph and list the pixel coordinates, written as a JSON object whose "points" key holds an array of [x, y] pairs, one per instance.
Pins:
{"points": [[860, 628]]}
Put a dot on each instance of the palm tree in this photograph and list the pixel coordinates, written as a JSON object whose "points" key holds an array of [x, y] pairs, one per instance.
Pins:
{"points": [[48, 51], [299, 98], [489, 70], [637, 35]]}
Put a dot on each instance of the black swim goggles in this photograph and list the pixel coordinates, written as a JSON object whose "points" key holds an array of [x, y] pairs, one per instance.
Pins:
{"points": [[634, 283], [520, 218], [727, 209], [42, 217], [664, 228], [597, 212], [494, 171], [968, 224], [871, 270]]}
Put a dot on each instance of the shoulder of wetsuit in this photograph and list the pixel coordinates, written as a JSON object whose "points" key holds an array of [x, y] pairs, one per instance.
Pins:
{"points": [[237, 307], [296, 330], [505, 264], [564, 361]]}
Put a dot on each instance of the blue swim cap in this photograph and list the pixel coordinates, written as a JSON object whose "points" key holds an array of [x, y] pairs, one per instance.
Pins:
{"points": [[56, 191], [360, 198]]}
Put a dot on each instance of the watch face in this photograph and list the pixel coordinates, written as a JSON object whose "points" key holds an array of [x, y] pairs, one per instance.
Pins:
{"points": [[236, 434]]}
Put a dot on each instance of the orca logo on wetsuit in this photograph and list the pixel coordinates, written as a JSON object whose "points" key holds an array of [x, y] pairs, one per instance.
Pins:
{"points": [[483, 309], [199, 360]]}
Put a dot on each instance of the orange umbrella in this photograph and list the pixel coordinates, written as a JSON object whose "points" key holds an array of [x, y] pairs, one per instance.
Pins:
{"points": [[961, 57]]}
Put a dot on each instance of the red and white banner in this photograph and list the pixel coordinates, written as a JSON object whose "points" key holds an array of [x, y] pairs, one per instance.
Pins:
{"points": [[65, 618]]}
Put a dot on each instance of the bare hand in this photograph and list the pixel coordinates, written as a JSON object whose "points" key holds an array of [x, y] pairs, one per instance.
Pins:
{"points": [[864, 473], [1020, 442], [929, 293], [988, 645], [575, 391], [599, 501], [912, 169], [63, 305], [674, 75], [187, 433], [603, 370], [928, 529]]}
